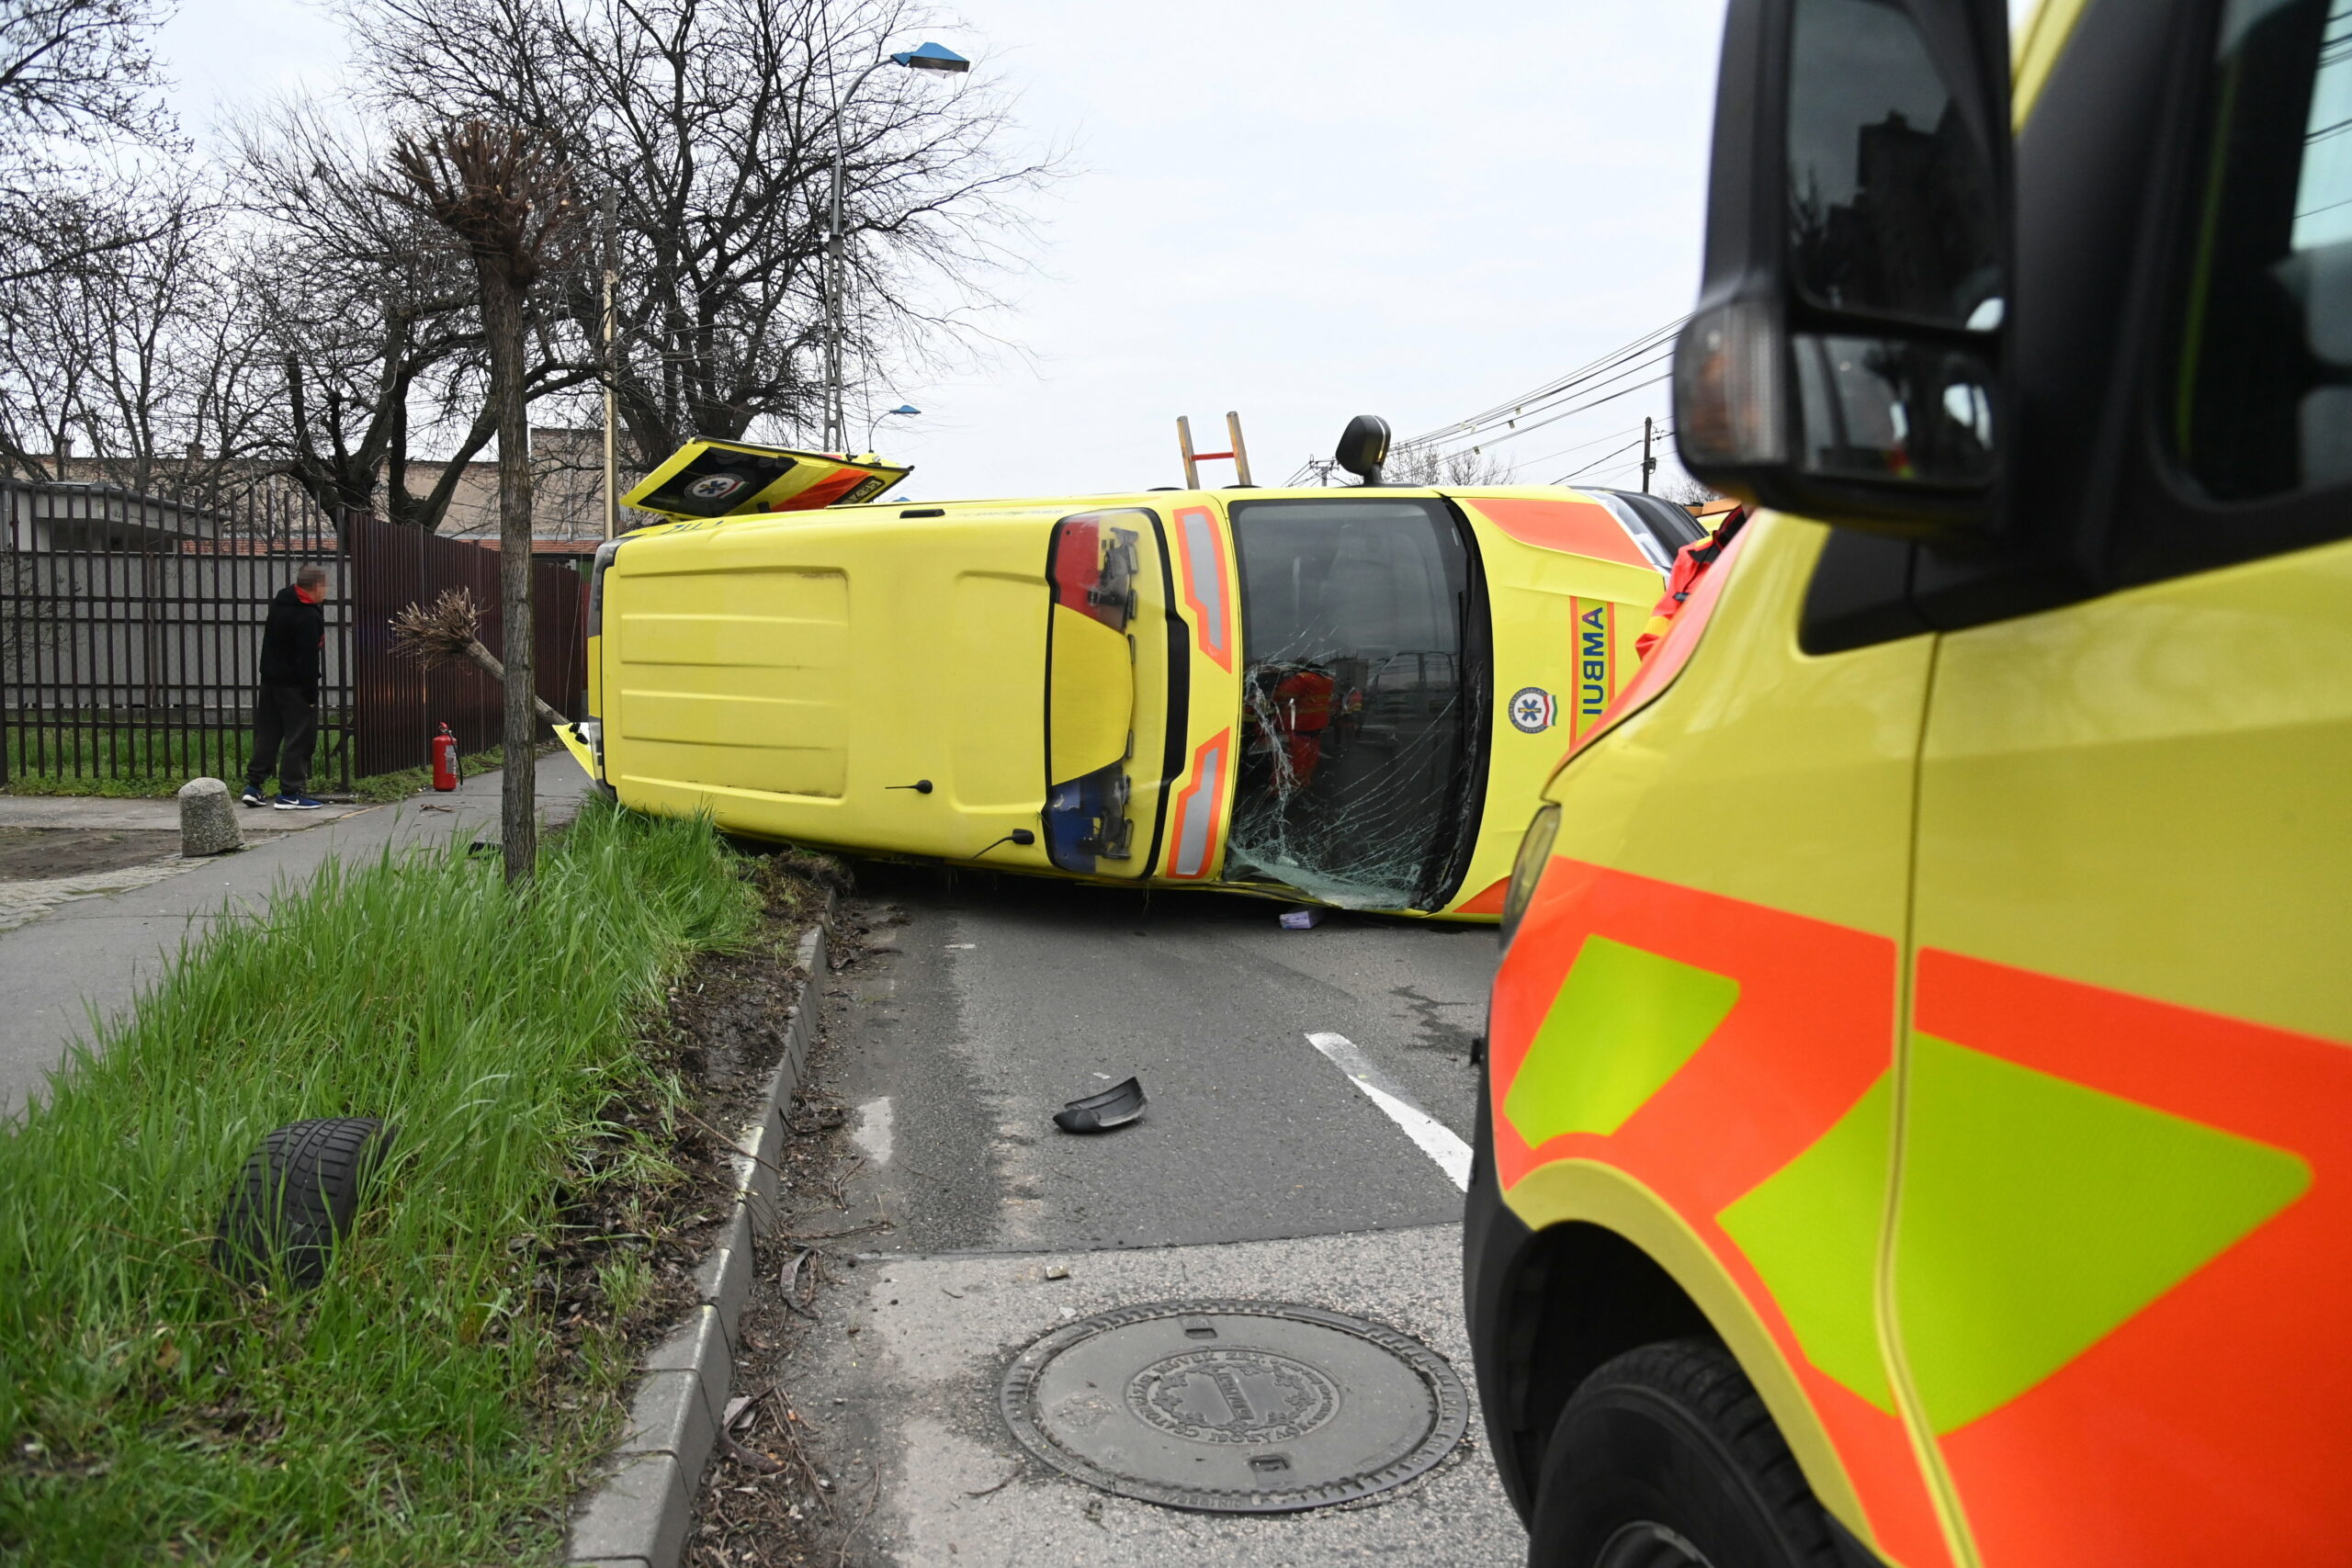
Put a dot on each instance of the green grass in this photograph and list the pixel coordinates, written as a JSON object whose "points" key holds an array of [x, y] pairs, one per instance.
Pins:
{"points": [[51, 757], [140, 784], [405, 1412]]}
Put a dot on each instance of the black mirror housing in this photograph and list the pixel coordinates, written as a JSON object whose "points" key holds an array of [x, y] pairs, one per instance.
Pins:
{"points": [[1846, 359], [1364, 447]]}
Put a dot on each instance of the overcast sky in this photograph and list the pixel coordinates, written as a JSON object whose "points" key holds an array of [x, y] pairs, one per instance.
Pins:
{"points": [[1302, 210]]}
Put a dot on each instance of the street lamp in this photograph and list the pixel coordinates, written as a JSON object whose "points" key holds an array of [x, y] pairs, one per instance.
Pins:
{"points": [[932, 57], [922, 57], [885, 413]]}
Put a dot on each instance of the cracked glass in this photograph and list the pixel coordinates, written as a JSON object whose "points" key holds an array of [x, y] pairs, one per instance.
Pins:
{"points": [[1360, 724]]}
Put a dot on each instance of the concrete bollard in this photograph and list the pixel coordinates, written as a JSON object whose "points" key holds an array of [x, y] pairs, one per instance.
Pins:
{"points": [[208, 819]]}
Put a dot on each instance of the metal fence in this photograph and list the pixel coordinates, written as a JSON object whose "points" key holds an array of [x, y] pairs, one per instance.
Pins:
{"points": [[130, 631]]}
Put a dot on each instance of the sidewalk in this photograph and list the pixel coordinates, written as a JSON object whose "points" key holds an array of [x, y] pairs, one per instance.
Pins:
{"points": [[96, 951]]}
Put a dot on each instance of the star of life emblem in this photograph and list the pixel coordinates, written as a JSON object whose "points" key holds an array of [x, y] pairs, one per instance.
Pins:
{"points": [[1532, 710]]}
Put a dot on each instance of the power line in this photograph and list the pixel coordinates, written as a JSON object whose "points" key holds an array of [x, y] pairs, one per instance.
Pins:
{"points": [[1581, 446], [1615, 359], [1629, 446], [1586, 406], [1604, 370], [1647, 353]]}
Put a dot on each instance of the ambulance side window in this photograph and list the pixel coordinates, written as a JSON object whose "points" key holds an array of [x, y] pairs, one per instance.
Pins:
{"points": [[2261, 386]]}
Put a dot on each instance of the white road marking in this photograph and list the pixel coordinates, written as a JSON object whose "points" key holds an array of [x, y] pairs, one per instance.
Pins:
{"points": [[1435, 1138], [872, 1132]]}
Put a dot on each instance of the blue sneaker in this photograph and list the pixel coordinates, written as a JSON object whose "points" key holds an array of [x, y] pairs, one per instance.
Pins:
{"points": [[296, 802], [254, 796]]}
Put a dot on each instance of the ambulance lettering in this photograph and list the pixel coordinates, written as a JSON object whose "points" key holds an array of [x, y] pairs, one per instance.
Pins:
{"points": [[1596, 658]]}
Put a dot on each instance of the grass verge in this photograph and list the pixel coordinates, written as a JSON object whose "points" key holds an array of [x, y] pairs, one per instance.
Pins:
{"points": [[66, 753], [376, 788], [412, 1409]]}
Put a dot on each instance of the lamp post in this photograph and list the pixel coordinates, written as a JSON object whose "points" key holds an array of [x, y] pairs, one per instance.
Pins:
{"points": [[922, 57], [908, 408]]}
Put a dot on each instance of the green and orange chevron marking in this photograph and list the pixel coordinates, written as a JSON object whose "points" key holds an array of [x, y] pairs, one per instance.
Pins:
{"points": [[2036, 1216], [1623, 1023]]}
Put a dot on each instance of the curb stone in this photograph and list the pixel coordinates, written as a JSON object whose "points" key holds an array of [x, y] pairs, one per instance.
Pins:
{"points": [[637, 1517]]}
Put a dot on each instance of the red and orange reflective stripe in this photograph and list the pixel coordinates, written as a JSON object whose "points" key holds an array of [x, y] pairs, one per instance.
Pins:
{"points": [[1703, 1123], [2208, 1426]]}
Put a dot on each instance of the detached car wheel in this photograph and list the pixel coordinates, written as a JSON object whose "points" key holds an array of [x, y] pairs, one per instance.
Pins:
{"points": [[298, 1196], [1665, 1457]]}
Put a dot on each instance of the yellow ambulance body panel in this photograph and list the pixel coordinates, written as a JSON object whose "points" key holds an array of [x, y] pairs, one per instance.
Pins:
{"points": [[1342, 696]]}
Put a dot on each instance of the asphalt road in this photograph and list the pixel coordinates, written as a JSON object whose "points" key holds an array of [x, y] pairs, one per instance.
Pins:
{"points": [[1261, 1170]]}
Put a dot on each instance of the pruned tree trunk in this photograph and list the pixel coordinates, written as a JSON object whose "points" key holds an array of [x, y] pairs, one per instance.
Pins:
{"points": [[501, 303], [496, 188]]}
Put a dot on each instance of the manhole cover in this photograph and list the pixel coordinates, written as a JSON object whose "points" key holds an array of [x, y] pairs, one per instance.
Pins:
{"points": [[1235, 1408]]}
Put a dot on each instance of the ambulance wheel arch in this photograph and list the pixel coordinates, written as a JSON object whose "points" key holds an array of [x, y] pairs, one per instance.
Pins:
{"points": [[1750, 717], [1586, 1264], [1625, 1275]]}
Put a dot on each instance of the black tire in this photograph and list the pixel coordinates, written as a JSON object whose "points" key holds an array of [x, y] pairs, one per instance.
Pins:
{"points": [[297, 1198], [1665, 1457]]}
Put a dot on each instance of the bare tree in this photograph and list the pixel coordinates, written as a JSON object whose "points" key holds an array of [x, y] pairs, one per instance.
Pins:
{"points": [[715, 123], [75, 69], [76, 85], [374, 323], [500, 190], [142, 361], [126, 338], [1688, 491]]}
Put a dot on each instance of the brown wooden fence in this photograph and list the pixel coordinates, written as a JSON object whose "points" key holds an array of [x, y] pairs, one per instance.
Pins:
{"points": [[398, 703], [130, 629]]}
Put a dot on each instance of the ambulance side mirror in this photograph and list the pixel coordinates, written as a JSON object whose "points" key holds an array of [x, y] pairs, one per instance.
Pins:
{"points": [[1364, 447], [1847, 357]]}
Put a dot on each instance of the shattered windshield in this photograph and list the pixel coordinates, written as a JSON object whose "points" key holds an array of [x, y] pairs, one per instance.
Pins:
{"points": [[1360, 722]]}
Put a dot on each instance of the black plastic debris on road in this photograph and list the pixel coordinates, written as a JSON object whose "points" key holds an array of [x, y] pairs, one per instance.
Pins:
{"points": [[1114, 1107]]}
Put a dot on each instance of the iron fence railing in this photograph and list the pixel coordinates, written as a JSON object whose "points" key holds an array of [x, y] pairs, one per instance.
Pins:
{"points": [[130, 631]]}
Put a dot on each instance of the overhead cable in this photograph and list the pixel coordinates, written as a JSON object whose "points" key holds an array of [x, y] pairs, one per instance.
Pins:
{"points": [[1645, 350]]}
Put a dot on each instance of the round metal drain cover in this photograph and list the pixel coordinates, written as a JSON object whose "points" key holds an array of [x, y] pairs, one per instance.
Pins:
{"points": [[1235, 1408]]}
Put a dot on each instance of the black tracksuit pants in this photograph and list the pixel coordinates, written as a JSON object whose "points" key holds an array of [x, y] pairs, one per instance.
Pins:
{"points": [[286, 724]]}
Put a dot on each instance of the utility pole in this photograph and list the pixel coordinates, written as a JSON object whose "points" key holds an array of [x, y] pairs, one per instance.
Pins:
{"points": [[612, 283], [836, 434], [1649, 464]]}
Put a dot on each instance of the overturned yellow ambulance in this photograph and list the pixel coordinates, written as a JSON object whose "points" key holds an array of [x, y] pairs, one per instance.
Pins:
{"points": [[1347, 696]]}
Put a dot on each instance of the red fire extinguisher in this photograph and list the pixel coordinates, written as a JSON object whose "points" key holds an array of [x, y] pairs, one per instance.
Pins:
{"points": [[445, 759]]}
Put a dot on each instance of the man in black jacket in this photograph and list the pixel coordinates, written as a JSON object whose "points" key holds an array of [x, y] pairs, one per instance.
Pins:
{"points": [[286, 707]]}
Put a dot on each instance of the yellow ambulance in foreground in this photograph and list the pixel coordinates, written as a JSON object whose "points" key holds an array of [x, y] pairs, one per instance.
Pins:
{"points": [[1919, 1115], [1347, 696]]}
